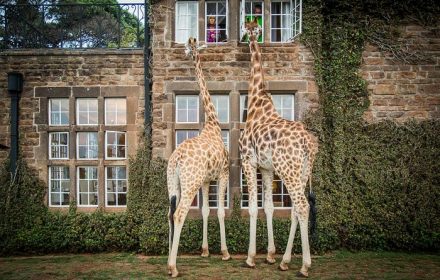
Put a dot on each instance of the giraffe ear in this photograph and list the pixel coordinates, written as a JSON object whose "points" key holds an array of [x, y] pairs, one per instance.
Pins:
{"points": [[255, 20]]}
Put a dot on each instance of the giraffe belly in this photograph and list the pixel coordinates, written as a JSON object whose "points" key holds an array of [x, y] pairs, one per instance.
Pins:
{"points": [[264, 159]]}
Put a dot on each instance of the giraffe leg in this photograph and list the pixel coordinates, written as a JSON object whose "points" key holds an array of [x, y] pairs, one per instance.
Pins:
{"points": [[179, 219], [268, 210], [223, 185], [251, 178], [205, 214], [303, 216], [288, 254]]}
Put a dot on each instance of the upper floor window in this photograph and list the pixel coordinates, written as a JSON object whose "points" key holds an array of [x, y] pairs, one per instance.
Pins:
{"points": [[187, 109], [285, 20], [87, 111], [87, 145], [115, 145], [249, 11], [216, 21], [285, 105], [186, 20], [115, 111], [59, 111]]}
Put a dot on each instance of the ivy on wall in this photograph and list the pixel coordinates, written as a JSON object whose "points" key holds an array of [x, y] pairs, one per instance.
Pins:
{"points": [[377, 185]]}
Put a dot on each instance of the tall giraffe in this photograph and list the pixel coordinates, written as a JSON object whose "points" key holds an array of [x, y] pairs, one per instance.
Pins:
{"points": [[273, 144], [193, 164]]}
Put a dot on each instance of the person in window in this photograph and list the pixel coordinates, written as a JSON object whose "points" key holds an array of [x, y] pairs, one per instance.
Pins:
{"points": [[257, 14], [211, 31]]}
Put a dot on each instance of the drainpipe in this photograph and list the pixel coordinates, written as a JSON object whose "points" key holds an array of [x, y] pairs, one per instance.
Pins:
{"points": [[15, 87], [147, 78]]}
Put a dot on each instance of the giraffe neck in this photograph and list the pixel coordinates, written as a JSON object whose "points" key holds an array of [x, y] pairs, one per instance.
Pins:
{"points": [[210, 113], [259, 102]]}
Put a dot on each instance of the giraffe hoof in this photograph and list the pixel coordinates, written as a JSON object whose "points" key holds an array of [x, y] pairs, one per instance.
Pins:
{"points": [[300, 274], [226, 256], [270, 260], [283, 266], [205, 253], [173, 272], [246, 265]]}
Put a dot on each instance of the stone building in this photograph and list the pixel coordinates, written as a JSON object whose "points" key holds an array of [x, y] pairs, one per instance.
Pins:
{"points": [[82, 111]]}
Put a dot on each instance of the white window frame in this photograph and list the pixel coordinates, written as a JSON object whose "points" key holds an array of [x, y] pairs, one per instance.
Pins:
{"points": [[87, 111], [280, 110], [178, 3], [198, 108], [290, 28], [185, 130], [296, 14], [276, 179], [259, 185], [89, 181], [59, 112], [216, 200], [60, 193], [243, 17], [87, 145], [216, 20], [116, 145], [115, 112], [116, 179], [51, 134], [215, 102], [243, 107], [226, 139]]}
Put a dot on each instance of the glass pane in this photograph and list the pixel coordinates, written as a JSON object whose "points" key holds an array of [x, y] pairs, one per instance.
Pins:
{"points": [[83, 199], [111, 199], [122, 117], [64, 105], [221, 8], [195, 201], [121, 138], [93, 152], [82, 118], [222, 22], [181, 116], [121, 172], [82, 138], [111, 151], [82, 173], [276, 35], [122, 199], [222, 36], [111, 138], [65, 186], [210, 8], [110, 118], [275, 8], [193, 102], [123, 186], [257, 8], [55, 199], [121, 152], [55, 105], [94, 186], [65, 199], [285, 21], [111, 186], [110, 172], [81, 104], [93, 199], [93, 118], [64, 118], [83, 186], [93, 173], [55, 186], [54, 118], [192, 115], [93, 105], [63, 138], [276, 22], [192, 8]]}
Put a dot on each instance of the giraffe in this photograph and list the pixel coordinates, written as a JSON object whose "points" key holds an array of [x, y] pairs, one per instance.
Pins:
{"points": [[193, 164], [273, 144]]}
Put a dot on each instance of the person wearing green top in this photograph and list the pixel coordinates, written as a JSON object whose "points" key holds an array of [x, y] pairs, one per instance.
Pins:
{"points": [[258, 15]]}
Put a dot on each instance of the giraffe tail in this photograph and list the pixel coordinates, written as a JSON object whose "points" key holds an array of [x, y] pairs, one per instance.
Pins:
{"points": [[313, 212]]}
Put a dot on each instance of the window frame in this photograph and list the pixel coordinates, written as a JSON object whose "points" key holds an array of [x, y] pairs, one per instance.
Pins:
{"points": [[78, 192], [77, 145], [176, 20], [106, 156], [59, 112], [116, 193], [214, 101], [293, 95], [88, 112], [60, 192], [216, 184], [197, 110], [106, 100], [290, 27], [242, 19], [59, 146], [216, 16]]}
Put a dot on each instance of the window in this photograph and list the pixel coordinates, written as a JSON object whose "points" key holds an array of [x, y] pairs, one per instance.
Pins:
{"points": [[87, 186], [285, 20], [115, 111], [87, 145], [285, 105], [87, 111], [249, 11], [59, 111], [59, 145], [225, 138], [59, 186], [216, 21], [115, 145], [245, 192], [186, 20], [187, 109], [182, 135], [281, 197], [243, 107], [116, 185], [213, 195], [221, 104]]}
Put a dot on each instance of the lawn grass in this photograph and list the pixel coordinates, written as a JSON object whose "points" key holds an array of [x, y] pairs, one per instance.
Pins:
{"points": [[336, 265]]}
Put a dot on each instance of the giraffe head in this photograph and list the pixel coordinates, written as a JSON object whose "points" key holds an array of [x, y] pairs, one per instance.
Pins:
{"points": [[252, 29], [192, 46]]}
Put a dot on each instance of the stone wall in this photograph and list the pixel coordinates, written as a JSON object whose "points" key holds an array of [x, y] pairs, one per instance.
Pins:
{"points": [[56, 69], [400, 90]]}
